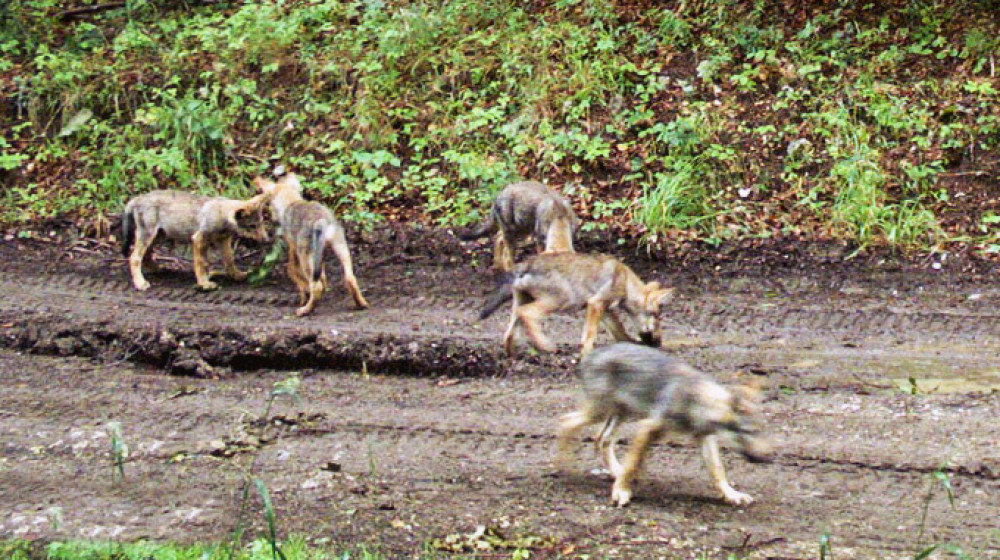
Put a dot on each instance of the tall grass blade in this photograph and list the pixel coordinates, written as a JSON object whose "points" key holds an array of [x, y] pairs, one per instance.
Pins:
{"points": [[269, 516]]}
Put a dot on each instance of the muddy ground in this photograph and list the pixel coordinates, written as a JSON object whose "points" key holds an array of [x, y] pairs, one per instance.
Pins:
{"points": [[412, 426]]}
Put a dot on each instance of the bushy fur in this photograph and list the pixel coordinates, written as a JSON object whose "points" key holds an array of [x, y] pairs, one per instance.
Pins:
{"points": [[566, 282], [522, 209], [623, 382]]}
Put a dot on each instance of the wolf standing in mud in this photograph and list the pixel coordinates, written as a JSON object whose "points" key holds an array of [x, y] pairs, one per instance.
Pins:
{"points": [[625, 381], [307, 228], [182, 216], [522, 209], [562, 282]]}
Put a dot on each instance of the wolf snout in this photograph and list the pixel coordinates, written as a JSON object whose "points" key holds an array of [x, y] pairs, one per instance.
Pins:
{"points": [[758, 459], [758, 451], [650, 339]]}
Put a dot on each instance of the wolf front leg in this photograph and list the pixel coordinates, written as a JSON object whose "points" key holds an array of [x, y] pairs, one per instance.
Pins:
{"points": [[503, 253], [229, 259], [710, 453], [613, 322], [199, 251], [595, 310], [649, 431]]}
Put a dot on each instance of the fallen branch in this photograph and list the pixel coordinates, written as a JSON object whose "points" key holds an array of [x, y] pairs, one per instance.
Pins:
{"points": [[87, 10], [962, 173], [77, 12]]}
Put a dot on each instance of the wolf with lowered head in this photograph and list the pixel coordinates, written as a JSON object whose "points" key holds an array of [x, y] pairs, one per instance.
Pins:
{"points": [[564, 282], [181, 216], [523, 209], [308, 228], [623, 382]]}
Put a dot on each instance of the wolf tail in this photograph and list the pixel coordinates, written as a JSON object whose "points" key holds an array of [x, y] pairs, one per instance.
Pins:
{"points": [[488, 226], [317, 245], [128, 230], [502, 294]]}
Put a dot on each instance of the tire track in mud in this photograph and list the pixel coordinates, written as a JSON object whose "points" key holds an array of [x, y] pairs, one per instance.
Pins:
{"points": [[697, 314], [411, 330], [442, 450], [520, 442]]}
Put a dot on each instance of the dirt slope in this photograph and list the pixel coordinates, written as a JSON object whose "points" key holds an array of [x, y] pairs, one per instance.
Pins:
{"points": [[444, 434]]}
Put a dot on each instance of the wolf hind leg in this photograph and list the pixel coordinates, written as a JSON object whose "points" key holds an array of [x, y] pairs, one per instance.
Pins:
{"points": [[511, 332], [605, 445], [339, 245], [144, 240], [311, 289], [569, 428], [530, 315], [294, 270]]}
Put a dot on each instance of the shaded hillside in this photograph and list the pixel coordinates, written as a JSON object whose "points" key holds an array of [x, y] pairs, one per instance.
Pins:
{"points": [[872, 123]]}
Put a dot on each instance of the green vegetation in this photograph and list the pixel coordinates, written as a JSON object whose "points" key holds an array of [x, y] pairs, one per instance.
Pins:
{"points": [[875, 123], [293, 549]]}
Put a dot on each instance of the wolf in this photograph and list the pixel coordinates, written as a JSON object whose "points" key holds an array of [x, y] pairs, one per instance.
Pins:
{"points": [[183, 216], [562, 282], [627, 381], [522, 209], [307, 228]]}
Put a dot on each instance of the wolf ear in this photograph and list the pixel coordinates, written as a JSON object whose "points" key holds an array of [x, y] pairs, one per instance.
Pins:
{"points": [[652, 286], [745, 396], [262, 185], [659, 296]]}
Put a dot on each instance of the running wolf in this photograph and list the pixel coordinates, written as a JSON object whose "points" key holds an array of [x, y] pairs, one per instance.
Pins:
{"points": [[562, 282], [182, 216], [307, 228], [625, 381], [522, 209]]}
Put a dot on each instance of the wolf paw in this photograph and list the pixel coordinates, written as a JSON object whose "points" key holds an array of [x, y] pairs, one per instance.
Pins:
{"points": [[208, 286], [621, 495], [141, 285], [303, 311], [739, 498], [545, 346]]}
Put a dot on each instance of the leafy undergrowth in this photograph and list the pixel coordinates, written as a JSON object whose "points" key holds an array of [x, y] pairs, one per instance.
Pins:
{"points": [[482, 542], [293, 549], [876, 124]]}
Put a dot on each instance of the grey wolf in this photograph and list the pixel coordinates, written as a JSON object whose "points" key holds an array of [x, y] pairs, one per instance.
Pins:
{"points": [[625, 381], [522, 209], [563, 282], [182, 216], [308, 228]]}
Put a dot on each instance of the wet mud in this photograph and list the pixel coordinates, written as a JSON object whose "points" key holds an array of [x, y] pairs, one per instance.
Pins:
{"points": [[412, 427]]}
